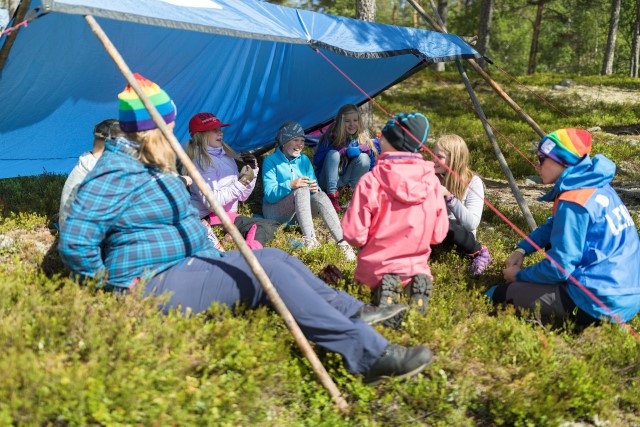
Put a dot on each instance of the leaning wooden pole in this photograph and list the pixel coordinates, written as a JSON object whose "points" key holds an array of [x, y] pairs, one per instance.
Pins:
{"points": [[21, 12], [478, 69], [496, 149], [248, 255]]}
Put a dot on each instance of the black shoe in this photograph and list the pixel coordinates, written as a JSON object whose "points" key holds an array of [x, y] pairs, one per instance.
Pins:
{"points": [[372, 314], [397, 361], [420, 291], [388, 293]]}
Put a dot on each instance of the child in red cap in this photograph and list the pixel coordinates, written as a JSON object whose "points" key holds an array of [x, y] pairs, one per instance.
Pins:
{"points": [[591, 236]]}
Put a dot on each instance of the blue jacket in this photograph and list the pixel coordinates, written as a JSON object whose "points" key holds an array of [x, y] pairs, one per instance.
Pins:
{"points": [[326, 145], [593, 237], [130, 220], [278, 171]]}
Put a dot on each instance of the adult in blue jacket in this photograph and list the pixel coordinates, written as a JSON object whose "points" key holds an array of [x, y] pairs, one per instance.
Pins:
{"points": [[291, 190], [591, 236], [132, 224]]}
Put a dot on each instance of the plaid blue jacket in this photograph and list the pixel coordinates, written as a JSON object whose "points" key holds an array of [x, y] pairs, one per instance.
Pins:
{"points": [[130, 221]]}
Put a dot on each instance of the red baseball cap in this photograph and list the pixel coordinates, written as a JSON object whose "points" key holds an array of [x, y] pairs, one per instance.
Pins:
{"points": [[203, 122]]}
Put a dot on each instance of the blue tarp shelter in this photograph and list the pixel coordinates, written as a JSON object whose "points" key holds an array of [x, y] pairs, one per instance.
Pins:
{"points": [[251, 63]]}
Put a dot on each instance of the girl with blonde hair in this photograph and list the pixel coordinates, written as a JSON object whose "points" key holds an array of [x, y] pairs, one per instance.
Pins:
{"points": [[345, 153], [216, 162], [464, 194]]}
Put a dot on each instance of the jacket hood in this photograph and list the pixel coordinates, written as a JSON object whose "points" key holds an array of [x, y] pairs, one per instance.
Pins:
{"points": [[588, 173], [406, 177]]}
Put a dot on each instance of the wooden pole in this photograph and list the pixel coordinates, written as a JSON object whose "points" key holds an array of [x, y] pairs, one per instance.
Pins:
{"points": [[478, 69], [21, 12], [496, 149], [248, 255]]}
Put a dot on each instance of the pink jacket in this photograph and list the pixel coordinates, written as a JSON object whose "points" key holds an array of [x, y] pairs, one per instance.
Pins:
{"points": [[397, 212]]}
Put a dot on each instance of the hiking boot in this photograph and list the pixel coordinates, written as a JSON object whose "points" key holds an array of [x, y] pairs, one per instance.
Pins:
{"points": [[334, 200], [397, 361], [347, 250], [419, 292], [388, 293], [372, 314], [479, 261]]}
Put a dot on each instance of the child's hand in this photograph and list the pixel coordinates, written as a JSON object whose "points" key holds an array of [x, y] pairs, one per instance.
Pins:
{"points": [[509, 273], [246, 175], [364, 148], [313, 186], [515, 259], [186, 179], [299, 183], [445, 192]]}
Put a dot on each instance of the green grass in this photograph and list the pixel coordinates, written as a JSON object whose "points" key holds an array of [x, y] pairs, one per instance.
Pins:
{"points": [[75, 356]]}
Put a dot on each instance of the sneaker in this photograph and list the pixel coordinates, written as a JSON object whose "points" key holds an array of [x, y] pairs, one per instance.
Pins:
{"points": [[388, 293], [347, 250], [372, 314], [334, 200], [419, 292], [397, 361], [479, 262]]}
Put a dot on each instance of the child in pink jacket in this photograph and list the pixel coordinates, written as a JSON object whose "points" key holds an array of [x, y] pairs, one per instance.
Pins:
{"points": [[397, 212]]}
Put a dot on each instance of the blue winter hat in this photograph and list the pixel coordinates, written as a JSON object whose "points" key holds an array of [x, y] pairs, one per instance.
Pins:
{"points": [[288, 131], [414, 123]]}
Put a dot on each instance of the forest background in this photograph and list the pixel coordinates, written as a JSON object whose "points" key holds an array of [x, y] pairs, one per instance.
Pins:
{"points": [[524, 36]]}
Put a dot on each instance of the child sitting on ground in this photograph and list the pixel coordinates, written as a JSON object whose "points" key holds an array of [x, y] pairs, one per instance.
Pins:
{"points": [[590, 236], [291, 190], [216, 162], [397, 212], [344, 154], [464, 194], [103, 130]]}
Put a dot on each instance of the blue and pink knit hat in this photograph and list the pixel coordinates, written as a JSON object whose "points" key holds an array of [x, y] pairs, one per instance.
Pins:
{"points": [[133, 116], [566, 146]]}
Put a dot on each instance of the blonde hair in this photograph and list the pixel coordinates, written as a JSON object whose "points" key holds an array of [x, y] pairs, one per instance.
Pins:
{"points": [[197, 151], [338, 132], [458, 152], [154, 149]]}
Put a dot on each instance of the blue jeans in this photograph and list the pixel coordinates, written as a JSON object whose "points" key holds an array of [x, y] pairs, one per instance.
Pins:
{"points": [[326, 316], [329, 178]]}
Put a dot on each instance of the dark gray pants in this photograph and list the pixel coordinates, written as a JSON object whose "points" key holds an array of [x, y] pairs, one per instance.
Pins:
{"points": [[324, 314], [552, 300]]}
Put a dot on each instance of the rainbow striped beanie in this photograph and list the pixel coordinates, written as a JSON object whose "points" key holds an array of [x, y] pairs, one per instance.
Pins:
{"points": [[566, 146], [133, 116]]}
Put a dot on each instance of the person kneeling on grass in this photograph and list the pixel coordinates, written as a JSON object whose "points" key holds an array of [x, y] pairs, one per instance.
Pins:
{"points": [[591, 236], [396, 213], [133, 224]]}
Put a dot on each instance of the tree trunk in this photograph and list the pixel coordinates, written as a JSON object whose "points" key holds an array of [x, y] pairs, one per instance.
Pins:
{"points": [[443, 12], [610, 50], [366, 11], [394, 13], [537, 24], [486, 13], [635, 44]]}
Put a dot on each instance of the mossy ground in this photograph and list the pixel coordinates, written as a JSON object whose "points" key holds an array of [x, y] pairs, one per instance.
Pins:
{"points": [[73, 355]]}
